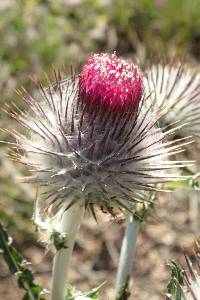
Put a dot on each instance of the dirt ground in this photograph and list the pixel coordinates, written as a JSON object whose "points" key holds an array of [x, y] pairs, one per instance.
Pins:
{"points": [[95, 259]]}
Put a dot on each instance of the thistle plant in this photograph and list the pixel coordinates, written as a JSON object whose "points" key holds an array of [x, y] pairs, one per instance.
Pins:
{"points": [[90, 142], [176, 86]]}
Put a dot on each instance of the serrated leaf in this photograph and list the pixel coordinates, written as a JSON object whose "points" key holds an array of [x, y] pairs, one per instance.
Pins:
{"points": [[185, 284], [174, 286], [16, 264]]}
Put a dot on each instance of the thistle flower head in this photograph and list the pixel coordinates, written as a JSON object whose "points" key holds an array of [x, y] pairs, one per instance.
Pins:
{"points": [[176, 87], [88, 139]]}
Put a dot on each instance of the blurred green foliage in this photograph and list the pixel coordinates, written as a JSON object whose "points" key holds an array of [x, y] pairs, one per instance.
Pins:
{"points": [[38, 34]]}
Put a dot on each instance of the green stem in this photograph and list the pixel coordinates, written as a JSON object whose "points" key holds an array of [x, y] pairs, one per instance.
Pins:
{"points": [[69, 225], [126, 255]]}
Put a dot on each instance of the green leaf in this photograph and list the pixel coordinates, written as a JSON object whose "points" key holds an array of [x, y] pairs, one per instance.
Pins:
{"points": [[73, 294], [174, 286], [16, 264], [59, 240], [184, 283]]}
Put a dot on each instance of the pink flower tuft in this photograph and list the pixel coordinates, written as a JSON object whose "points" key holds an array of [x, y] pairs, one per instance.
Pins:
{"points": [[111, 82]]}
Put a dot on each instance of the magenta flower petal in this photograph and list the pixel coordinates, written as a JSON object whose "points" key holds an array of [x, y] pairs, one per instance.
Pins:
{"points": [[111, 82]]}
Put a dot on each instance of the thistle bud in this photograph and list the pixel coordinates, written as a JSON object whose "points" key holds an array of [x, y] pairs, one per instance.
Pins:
{"points": [[89, 139], [176, 87]]}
